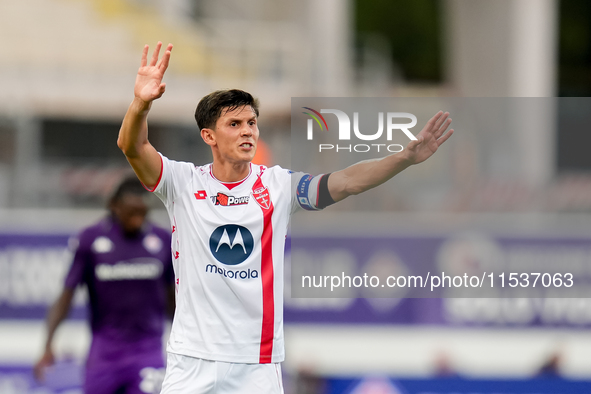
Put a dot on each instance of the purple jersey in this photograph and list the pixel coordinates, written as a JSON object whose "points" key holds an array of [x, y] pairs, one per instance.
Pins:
{"points": [[127, 277]]}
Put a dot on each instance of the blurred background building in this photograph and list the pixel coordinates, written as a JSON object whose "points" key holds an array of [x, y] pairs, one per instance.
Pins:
{"points": [[68, 70]]}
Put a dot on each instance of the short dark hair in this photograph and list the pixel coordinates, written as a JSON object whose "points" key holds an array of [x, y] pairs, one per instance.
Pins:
{"points": [[211, 106], [129, 185]]}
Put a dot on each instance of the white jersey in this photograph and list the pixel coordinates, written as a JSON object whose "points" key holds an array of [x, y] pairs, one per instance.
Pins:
{"points": [[228, 247]]}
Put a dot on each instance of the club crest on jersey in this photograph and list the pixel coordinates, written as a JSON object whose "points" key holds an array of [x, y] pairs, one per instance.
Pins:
{"points": [[262, 197], [231, 244], [227, 201]]}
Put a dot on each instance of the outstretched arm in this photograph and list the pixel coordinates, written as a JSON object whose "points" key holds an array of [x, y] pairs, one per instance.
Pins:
{"points": [[368, 174], [56, 315], [133, 135]]}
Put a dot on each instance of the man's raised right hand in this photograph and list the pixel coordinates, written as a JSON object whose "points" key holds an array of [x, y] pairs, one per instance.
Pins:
{"points": [[148, 83]]}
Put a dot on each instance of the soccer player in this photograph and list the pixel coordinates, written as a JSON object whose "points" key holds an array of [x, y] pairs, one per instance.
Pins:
{"points": [[125, 262], [229, 223]]}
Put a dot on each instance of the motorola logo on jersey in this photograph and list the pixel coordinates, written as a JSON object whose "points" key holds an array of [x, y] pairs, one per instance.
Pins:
{"points": [[231, 244]]}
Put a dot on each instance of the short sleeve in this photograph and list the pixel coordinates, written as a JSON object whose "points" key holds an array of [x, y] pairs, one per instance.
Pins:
{"points": [[174, 177], [79, 264], [305, 191]]}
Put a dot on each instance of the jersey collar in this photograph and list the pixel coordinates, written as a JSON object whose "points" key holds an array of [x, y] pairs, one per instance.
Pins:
{"points": [[231, 185]]}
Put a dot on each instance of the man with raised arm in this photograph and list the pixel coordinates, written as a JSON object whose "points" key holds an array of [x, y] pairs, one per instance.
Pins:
{"points": [[229, 222]]}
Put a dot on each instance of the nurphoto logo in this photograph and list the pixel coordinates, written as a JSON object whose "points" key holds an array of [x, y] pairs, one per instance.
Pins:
{"points": [[392, 124]]}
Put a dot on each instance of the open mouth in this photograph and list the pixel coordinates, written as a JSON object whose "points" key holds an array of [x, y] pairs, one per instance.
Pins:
{"points": [[246, 145]]}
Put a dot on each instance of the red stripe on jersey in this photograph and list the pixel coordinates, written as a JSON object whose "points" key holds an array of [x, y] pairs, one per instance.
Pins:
{"points": [[159, 177], [267, 279]]}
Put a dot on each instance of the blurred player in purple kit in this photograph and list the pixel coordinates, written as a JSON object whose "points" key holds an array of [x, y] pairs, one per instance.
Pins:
{"points": [[125, 262]]}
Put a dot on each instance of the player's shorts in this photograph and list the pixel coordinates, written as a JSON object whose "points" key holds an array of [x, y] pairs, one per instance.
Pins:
{"points": [[129, 379], [130, 368], [190, 375]]}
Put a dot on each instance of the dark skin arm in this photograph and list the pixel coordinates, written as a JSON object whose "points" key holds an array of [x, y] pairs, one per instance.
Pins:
{"points": [[170, 301], [57, 314]]}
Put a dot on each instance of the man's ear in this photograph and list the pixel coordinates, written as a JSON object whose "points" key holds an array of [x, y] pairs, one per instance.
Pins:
{"points": [[208, 136]]}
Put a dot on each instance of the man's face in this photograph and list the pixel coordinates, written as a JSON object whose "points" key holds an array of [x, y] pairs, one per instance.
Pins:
{"points": [[236, 134], [131, 211]]}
